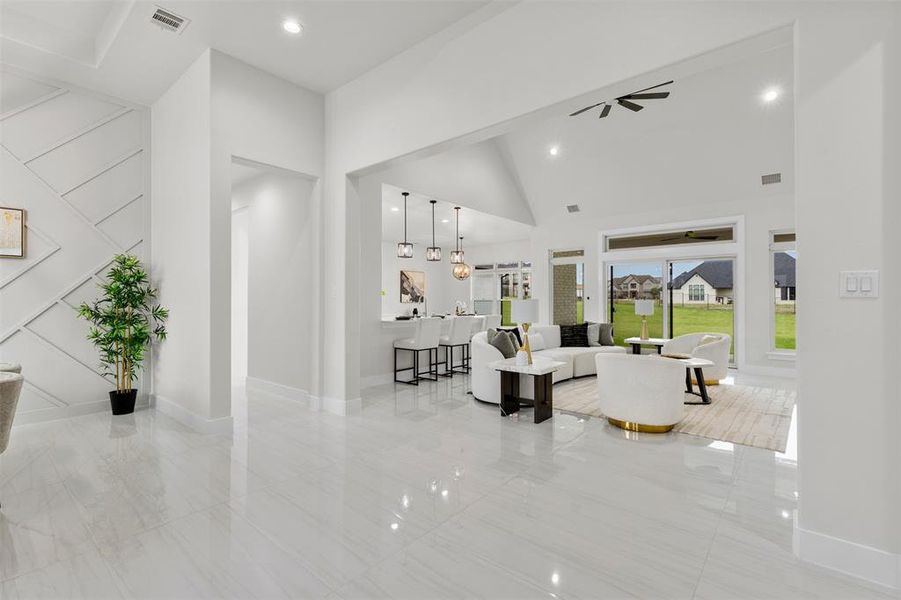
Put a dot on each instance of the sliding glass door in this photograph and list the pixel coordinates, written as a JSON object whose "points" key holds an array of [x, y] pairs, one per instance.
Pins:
{"points": [[628, 282], [701, 297]]}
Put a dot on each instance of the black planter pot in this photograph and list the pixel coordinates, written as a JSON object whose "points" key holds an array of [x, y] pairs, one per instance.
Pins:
{"points": [[123, 403]]}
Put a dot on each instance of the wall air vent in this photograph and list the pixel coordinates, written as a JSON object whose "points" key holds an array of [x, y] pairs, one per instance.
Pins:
{"points": [[771, 178], [573, 208], [168, 20]]}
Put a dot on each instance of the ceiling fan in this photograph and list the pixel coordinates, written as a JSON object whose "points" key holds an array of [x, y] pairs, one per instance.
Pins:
{"points": [[691, 235], [626, 101]]}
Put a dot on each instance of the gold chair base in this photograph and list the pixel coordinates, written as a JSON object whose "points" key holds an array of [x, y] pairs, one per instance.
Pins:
{"points": [[707, 382], [630, 426]]}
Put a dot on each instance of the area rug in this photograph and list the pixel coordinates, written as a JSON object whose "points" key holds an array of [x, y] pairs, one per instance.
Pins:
{"points": [[747, 415]]}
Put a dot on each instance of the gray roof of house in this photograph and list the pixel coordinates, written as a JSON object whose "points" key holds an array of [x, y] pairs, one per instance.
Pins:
{"points": [[718, 273], [784, 269]]}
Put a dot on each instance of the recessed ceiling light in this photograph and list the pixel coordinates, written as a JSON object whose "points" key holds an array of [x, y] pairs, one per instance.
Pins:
{"points": [[771, 95], [394, 209], [554, 150], [445, 220], [292, 26]]}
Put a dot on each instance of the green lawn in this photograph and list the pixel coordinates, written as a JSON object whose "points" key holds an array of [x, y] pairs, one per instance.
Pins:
{"points": [[686, 319]]}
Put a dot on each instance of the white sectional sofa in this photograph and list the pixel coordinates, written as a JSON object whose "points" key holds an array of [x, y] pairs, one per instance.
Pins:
{"points": [[578, 362]]}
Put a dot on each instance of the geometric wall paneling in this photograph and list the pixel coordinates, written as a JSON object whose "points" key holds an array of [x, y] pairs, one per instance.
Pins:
{"points": [[126, 225], [91, 154], [33, 131], [17, 92], [40, 247], [54, 372], [109, 191], [85, 192], [69, 334]]}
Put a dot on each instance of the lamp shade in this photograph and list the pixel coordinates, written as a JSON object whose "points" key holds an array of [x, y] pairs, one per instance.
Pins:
{"points": [[644, 308], [524, 311]]}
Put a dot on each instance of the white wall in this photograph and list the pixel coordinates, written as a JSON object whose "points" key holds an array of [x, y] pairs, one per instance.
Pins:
{"points": [[76, 162], [220, 108], [279, 309], [262, 118], [443, 290], [181, 248], [240, 293], [849, 484]]}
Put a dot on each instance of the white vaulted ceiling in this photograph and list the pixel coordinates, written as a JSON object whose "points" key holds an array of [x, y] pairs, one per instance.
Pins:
{"points": [[112, 46]]}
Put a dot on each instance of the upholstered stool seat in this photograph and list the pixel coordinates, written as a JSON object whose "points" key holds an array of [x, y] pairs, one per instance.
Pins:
{"points": [[428, 333], [6, 367]]}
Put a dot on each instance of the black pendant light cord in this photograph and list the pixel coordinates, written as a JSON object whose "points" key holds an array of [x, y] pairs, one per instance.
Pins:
{"points": [[457, 209], [405, 216], [433, 223]]}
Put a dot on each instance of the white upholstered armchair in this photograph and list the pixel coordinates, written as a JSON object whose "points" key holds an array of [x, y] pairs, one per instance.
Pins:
{"points": [[640, 393], [714, 347]]}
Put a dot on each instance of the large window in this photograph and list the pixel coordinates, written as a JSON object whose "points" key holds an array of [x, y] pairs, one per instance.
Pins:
{"points": [[696, 292], [783, 267], [495, 285]]}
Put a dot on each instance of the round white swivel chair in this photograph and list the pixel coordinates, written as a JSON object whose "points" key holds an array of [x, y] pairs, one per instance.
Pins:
{"points": [[10, 387], [426, 338], [714, 347], [640, 393], [458, 337]]}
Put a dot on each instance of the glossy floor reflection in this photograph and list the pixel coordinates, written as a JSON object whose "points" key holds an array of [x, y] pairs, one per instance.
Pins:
{"points": [[424, 494]]}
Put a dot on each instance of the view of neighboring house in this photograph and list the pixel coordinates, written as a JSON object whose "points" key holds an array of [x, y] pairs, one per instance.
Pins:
{"points": [[636, 286], [710, 282], [784, 274]]}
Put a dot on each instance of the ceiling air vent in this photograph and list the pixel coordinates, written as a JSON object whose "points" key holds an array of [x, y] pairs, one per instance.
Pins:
{"points": [[573, 208], [771, 178], [168, 20]]}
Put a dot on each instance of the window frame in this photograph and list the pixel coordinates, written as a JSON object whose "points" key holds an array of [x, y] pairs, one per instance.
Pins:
{"points": [[774, 353]]}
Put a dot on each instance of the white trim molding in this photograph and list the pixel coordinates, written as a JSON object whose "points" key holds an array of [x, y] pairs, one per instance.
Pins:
{"points": [[221, 425], [286, 392], [863, 562]]}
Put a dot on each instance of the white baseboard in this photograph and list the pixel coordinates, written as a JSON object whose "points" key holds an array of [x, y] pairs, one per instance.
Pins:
{"points": [[340, 407], [863, 562], [286, 392], [220, 425], [73, 410]]}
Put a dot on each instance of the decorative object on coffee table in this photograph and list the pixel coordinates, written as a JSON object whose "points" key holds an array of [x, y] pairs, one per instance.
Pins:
{"points": [[644, 308], [524, 312], [124, 322]]}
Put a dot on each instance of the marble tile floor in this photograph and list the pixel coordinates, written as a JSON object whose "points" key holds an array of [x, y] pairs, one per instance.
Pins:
{"points": [[424, 494]]}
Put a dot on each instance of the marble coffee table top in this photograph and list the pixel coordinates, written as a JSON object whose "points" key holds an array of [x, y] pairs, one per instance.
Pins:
{"points": [[539, 366]]}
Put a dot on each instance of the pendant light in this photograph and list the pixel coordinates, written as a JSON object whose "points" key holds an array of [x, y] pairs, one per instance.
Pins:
{"points": [[456, 256], [405, 248], [433, 252], [462, 270]]}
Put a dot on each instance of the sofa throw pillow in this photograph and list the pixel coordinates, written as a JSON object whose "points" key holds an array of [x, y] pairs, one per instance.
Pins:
{"points": [[606, 334], [536, 342], [709, 339], [515, 332], [574, 336], [594, 334], [503, 341]]}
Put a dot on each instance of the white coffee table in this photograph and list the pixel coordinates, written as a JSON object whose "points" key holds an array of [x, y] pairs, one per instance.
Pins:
{"points": [[542, 372], [637, 343]]}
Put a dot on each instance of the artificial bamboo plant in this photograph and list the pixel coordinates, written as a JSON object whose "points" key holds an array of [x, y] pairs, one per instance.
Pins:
{"points": [[125, 320]]}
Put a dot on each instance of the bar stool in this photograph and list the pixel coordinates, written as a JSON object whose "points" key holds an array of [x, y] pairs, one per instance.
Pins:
{"points": [[478, 325], [428, 333], [458, 337]]}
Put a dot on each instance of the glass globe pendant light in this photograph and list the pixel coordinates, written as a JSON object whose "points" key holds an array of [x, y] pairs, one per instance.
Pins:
{"points": [[456, 256], [405, 248], [462, 270], [433, 252]]}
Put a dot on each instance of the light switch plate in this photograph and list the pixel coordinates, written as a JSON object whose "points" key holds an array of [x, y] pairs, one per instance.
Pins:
{"points": [[859, 284]]}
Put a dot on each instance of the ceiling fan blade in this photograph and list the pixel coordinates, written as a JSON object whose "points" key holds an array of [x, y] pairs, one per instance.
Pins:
{"points": [[579, 112], [651, 96], [705, 237], [604, 111], [630, 105], [654, 87], [673, 239]]}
